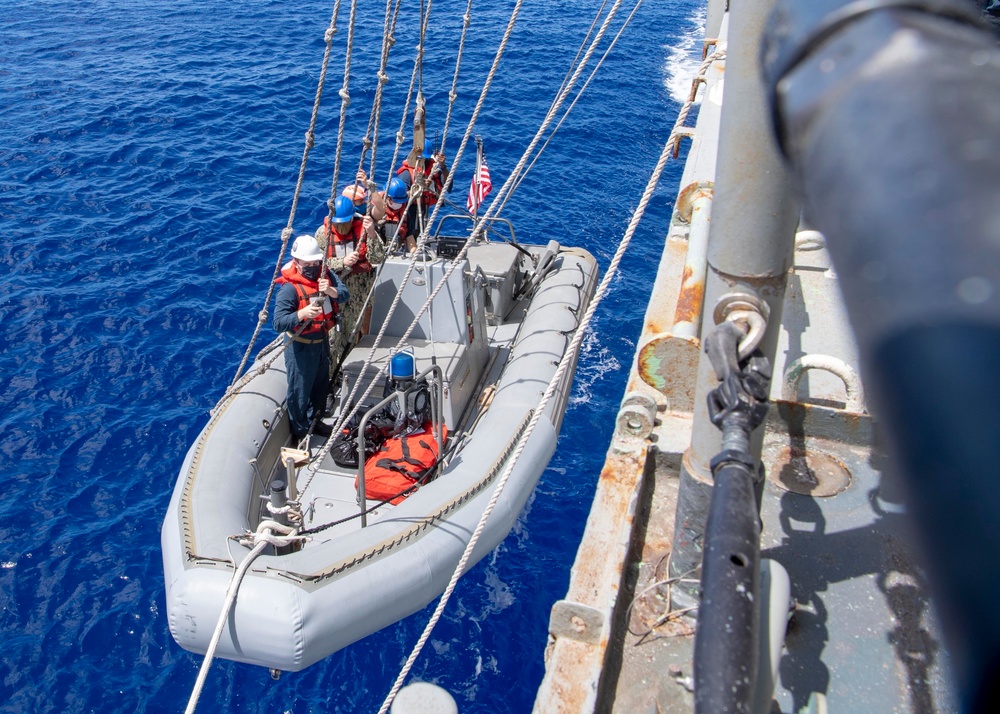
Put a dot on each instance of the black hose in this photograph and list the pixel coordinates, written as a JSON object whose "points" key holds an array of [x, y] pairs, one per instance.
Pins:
{"points": [[725, 662]]}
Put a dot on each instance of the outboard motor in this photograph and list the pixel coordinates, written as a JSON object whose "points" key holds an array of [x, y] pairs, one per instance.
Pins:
{"points": [[412, 408], [402, 370]]}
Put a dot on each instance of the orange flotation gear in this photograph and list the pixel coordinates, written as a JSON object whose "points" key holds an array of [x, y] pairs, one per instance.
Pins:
{"points": [[354, 240], [400, 463], [306, 290]]}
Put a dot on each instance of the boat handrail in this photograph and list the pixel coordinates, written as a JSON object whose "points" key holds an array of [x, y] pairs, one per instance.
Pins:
{"points": [[487, 222], [437, 402]]}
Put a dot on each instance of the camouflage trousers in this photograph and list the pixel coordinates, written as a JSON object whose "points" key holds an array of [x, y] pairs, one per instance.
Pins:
{"points": [[358, 286]]}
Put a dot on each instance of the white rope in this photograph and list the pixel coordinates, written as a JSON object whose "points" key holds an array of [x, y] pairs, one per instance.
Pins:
{"points": [[453, 94], [388, 40], [286, 233], [345, 101], [381, 79], [564, 363], [314, 465], [234, 585], [488, 216], [262, 538], [569, 109], [514, 177]]}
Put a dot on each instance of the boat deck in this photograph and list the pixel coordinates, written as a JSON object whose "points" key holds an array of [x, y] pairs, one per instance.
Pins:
{"points": [[333, 493], [334, 497]]}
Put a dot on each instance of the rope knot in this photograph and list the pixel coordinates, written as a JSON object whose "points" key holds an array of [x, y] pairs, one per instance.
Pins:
{"points": [[452, 96], [286, 233], [346, 96], [400, 138], [383, 78], [330, 32], [262, 316], [310, 139]]}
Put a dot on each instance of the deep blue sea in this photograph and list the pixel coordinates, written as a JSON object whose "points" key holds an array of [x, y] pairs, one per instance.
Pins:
{"points": [[148, 156]]}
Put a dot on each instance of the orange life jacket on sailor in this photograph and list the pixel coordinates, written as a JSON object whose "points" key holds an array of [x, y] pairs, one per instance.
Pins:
{"points": [[392, 216], [342, 245], [306, 290], [400, 462], [433, 191]]}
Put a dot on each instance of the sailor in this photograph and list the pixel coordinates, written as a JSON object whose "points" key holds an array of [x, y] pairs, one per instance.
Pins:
{"points": [[306, 308], [358, 195], [387, 210], [355, 250], [435, 175]]}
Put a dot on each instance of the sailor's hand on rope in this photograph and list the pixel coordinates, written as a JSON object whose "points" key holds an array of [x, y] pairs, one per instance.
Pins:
{"points": [[368, 223], [309, 312], [326, 288], [351, 259], [362, 177]]}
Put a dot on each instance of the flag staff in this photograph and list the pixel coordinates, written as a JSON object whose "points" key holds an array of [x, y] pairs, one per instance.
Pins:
{"points": [[475, 179]]}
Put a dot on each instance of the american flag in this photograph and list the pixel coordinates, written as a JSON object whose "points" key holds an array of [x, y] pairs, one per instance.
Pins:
{"points": [[481, 186]]}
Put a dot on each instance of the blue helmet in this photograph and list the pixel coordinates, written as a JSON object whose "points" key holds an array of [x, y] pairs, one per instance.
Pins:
{"points": [[396, 190], [428, 149], [343, 210]]}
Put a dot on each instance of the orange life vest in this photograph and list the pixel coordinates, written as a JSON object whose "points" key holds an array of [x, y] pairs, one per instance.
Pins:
{"points": [[433, 190], [341, 245], [393, 215], [306, 290], [400, 462]]}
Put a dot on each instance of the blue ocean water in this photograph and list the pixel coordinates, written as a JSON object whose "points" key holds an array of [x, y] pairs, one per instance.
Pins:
{"points": [[148, 155]]}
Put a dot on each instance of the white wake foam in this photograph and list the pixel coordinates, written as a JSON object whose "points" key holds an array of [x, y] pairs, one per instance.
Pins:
{"points": [[684, 58]]}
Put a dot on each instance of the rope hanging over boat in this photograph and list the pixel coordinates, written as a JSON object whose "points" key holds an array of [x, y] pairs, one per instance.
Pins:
{"points": [[567, 359], [453, 94], [370, 141], [345, 100], [401, 133], [264, 536], [286, 233], [569, 109], [314, 465], [513, 179]]}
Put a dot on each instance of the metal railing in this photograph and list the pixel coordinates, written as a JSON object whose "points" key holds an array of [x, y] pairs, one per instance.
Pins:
{"points": [[437, 404]]}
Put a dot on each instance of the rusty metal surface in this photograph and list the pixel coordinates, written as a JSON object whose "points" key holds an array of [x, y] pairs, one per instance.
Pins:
{"points": [[657, 643], [862, 629], [690, 299], [576, 654], [668, 363]]}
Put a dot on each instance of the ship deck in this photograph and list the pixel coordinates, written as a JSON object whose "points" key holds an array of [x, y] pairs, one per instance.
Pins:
{"points": [[861, 626]]}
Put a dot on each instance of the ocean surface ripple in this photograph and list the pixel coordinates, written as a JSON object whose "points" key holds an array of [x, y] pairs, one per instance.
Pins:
{"points": [[148, 156]]}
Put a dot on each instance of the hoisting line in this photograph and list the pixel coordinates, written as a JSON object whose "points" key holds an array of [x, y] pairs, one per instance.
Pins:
{"points": [[564, 363], [314, 465], [286, 232], [263, 537], [494, 208]]}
